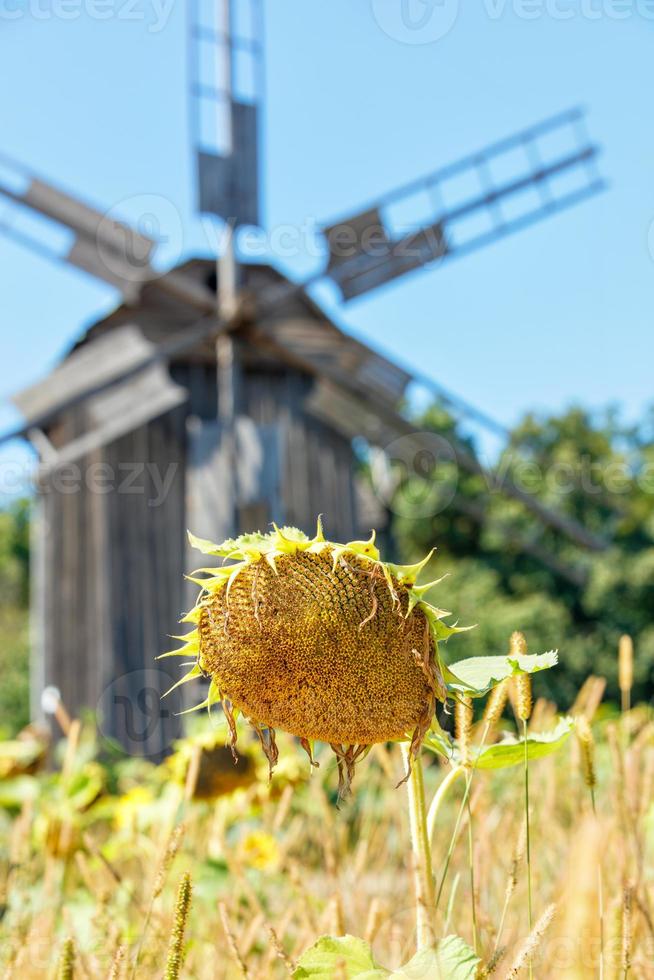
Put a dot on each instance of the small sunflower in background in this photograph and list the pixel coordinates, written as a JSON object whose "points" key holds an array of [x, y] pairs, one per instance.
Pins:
{"points": [[319, 639], [218, 773]]}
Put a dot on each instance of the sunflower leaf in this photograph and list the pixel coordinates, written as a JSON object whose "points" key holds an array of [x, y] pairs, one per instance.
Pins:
{"points": [[331, 954], [478, 675], [511, 750], [451, 959]]}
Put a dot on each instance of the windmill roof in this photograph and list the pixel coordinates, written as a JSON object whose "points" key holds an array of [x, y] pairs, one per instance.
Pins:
{"points": [[295, 331]]}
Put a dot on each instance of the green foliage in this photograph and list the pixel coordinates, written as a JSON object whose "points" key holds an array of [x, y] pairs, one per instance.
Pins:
{"points": [[14, 554], [589, 468], [14, 669], [329, 954], [511, 751], [450, 959], [14, 619]]}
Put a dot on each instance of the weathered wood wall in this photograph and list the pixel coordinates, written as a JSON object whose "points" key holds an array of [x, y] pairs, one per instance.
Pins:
{"points": [[112, 578]]}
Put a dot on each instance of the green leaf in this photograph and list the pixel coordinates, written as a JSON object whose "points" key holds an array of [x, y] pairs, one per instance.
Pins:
{"points": [[452, 959], [440, 743], [478, 675], [511, 751], [206, 547], [330, 954], [17, 791]]}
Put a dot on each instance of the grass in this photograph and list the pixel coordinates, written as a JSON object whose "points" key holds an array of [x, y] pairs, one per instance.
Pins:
{"points": [[120, 871]]}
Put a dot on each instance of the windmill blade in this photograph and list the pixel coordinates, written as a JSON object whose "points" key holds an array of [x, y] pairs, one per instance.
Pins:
{"points": [[116, 411], [466, 205], [226, 59], [118, 381], [107, 249], [93, 367], [93, 241], [518, 543], [357, 415]]}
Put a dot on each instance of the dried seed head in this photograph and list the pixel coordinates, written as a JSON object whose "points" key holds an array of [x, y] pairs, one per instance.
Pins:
{"points": [[322, 640], [523, 696], [493, 962], [117, 962], [627, 927], [67, 960], [516, 862], [587, 745], [170, 853], [496, 703], [532, 942], [626, 664], [176, 947], [517, 644], [463, 716], [517, 648]]}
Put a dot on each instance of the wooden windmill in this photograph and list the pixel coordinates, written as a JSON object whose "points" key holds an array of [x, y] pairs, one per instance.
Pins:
{"points": [[219, 396]]}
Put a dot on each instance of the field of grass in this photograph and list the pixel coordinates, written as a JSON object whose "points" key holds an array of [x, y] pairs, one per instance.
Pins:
{"points": [[118, 868]]}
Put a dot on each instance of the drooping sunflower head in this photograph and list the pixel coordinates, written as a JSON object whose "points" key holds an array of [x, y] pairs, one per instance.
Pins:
{"points": [[322, 640]]}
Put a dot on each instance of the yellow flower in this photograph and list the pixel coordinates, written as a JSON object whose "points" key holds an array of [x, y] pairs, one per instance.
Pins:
{"points": [[131, 805], [259, 850]]}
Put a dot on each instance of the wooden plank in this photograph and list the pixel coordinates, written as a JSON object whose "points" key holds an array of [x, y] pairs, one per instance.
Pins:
{"points": [[120, 409], [208, 507], [86, 221], [106, 359], [365, 272], [146, 588], [113, 587], [327, 347], [257, 475]]}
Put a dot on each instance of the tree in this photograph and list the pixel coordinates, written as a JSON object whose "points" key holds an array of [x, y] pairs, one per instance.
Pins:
{"points": [[590, 467]]}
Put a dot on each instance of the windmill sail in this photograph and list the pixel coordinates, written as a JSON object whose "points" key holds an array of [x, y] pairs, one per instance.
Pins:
{"points": [[99, 245], [116, 381], [465, 205], [226, 93], [70, 230]]}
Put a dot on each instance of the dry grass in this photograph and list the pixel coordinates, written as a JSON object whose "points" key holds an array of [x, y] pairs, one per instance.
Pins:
{"points": [[99, 888]]}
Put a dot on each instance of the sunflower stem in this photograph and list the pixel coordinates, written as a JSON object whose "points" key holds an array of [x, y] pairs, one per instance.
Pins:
{"points": [[525, 734], [471, 863], [422, 868], [439, 796]]}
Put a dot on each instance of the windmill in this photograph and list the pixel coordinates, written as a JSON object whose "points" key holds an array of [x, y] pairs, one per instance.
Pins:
{"points": [[229, 376]]}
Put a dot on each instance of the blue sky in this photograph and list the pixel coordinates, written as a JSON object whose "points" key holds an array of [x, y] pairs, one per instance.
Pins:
{"points": [[358, 102]]}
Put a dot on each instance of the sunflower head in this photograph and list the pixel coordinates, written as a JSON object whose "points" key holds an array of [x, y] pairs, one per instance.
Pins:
{"points": [[320, 639]]}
